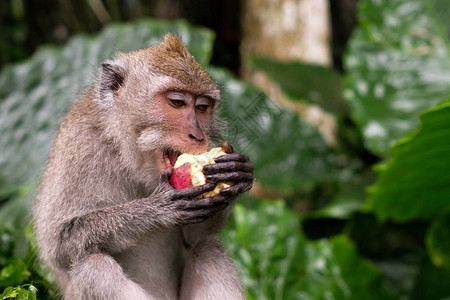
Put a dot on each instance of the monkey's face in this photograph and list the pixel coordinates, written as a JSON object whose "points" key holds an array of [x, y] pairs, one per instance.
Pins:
{"points": [[187, 117], [162, 101]]}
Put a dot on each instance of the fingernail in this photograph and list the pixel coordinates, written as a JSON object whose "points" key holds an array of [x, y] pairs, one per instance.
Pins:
{"points": [[224, 192], [226, 147]]}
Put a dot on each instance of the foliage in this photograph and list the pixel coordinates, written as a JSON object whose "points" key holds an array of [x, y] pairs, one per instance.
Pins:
{"points": [[326, 238], [259, 126], [398, 69], [24, 292], [17, 269], [305, 81], [414, 182], [438, 241], [398, 64], [278, 262]]}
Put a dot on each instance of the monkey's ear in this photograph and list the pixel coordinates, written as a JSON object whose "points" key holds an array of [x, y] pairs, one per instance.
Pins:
{"points": [[112, 78]]}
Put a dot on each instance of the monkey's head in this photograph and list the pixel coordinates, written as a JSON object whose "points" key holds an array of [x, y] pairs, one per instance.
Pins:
{"points": [[160, 101]]}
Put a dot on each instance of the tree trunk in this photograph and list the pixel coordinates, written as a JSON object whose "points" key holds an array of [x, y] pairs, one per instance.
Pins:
{"points": [[288, 30]]}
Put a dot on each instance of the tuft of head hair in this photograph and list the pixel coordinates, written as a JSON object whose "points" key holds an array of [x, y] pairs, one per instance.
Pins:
{"points": [[172, 58]]}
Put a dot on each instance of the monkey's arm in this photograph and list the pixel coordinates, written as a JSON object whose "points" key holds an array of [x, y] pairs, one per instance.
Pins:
{"points": [[115, 228]]}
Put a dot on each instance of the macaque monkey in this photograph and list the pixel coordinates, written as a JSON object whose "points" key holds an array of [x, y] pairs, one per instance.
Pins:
{"points": [[108, 224]]}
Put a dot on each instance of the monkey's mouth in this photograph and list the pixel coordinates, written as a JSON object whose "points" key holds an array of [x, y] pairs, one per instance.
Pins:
{"points": [[170, 156]]}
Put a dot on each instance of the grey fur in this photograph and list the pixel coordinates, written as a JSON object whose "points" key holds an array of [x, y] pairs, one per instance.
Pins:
{"points": [[107, 223]]}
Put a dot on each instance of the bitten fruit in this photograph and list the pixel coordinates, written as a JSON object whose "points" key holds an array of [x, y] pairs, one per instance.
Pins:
{"points": [[188, 170]]}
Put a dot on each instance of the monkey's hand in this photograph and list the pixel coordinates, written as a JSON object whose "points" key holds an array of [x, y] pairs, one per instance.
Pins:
{"points": [[185, 205], [235, 168]]}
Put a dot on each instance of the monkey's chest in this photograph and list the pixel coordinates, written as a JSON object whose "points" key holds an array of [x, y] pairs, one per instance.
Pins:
{"points": [[156, 263]]}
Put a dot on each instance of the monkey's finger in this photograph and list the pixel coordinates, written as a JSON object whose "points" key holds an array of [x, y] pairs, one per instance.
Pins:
{"points": [[165, 175], [227, 147], [190, 221], [232, 157], [228, 166], [192, 192], [206, 212], [236, 189], [209, 202], [200, 215], [230, 176]]}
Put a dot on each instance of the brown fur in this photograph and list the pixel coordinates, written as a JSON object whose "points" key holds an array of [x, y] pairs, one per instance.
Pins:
{"points": [[172, 58]]}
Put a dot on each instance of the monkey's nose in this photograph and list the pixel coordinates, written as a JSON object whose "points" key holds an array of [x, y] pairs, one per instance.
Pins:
{"points": [[197, 137]]}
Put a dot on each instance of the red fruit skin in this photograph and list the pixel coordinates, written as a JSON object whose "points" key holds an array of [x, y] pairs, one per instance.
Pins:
{"points": [[181, 177]]}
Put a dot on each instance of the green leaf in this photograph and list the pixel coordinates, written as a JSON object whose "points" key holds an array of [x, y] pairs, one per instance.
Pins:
{"points": [[398, 64], [25, 292], [438, 241], [7, 292], [19, 264], [350, 277], [15, 272], [415, 182], [36, 94], [277, 262], [288, 154], [349, 200], [32, 292], [400, 273], [431, 283], [314, 84]]}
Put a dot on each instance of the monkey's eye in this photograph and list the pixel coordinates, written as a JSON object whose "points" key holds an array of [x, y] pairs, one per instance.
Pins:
{"points": [[202, 107], [176, 102], [202, 104]]}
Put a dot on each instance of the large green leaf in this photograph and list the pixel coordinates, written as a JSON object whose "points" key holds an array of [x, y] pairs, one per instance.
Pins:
{"points": [[288, 154], [276, 262], [398, 64], [415, 182], [35, 95]]}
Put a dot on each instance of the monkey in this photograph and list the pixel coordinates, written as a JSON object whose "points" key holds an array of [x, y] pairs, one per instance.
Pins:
{"points": [[107, 222]]}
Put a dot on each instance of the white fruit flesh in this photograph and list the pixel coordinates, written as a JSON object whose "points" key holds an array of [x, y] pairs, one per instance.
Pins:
{"points": [[196, 171]]}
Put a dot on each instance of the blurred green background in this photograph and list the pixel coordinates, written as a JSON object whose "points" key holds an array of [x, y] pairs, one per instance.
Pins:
{"points": [[359, 209]]}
